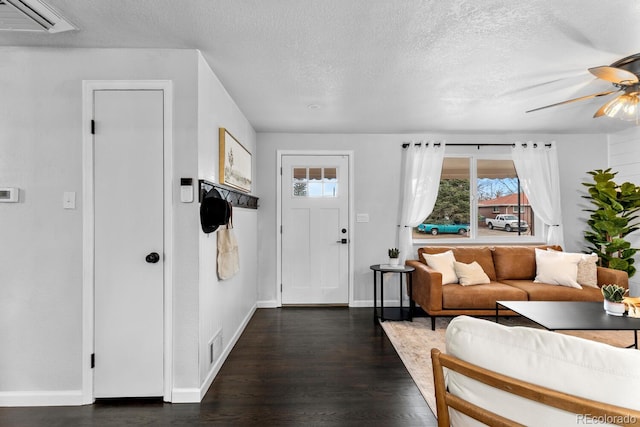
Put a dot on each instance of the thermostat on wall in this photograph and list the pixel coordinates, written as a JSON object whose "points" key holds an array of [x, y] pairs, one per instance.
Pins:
{"points": [[9, 194]]}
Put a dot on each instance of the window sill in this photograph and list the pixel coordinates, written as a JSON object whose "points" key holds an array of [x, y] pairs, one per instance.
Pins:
{"points": [[479, 241]]}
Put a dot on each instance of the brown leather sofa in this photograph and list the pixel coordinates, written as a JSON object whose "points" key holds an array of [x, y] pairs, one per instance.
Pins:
{"points": [[511, 270]]}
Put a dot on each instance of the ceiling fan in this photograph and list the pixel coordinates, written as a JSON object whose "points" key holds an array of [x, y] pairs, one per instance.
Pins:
{"points": [[623, 74]]}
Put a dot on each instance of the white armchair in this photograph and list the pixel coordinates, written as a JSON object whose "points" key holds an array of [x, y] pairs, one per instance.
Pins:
{"points": [[524, 376]]}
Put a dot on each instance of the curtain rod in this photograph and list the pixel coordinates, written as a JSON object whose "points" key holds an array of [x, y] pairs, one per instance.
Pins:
{"points": [[488, 144]]}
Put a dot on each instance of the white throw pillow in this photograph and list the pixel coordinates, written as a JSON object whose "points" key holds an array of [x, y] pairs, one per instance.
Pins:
{"points": [[557, 268], [444, 264], [588, 270], [471, 274]]}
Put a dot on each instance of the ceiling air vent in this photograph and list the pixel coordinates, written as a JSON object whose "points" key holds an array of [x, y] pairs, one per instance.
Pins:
{"points": [[31, 15]]}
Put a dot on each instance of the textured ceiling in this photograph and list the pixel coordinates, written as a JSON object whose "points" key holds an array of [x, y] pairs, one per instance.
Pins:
{"points": [[372, 66]]}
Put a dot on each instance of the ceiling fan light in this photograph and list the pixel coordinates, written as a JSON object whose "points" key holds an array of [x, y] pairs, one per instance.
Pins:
{"points": [[624, 107]]}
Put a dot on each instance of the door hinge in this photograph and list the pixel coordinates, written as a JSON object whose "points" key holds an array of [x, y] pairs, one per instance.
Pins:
{"points": [[280, 229], [280, 287], [280, 170], [93, 127], [93, 360]]}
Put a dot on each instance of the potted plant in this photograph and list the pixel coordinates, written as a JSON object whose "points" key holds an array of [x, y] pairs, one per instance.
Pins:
{"points": [[394, 253], [613, 297], [615, 215]]}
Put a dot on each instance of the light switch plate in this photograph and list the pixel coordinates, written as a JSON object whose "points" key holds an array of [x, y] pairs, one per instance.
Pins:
{"points": [[69, 200], [362, 217]]}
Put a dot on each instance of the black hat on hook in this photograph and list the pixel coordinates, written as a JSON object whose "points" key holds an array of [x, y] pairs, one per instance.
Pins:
{"points": [[214, 211]]}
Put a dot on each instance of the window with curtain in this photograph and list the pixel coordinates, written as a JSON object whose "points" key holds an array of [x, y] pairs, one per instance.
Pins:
{"points": [[473, 192]]}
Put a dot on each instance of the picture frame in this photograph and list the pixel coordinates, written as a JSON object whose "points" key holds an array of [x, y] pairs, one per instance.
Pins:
{"points": [[235, 162]]}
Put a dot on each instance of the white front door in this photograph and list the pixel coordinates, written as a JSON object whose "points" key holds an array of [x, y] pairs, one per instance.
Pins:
{"points": [[315, 233], [128, 208]]}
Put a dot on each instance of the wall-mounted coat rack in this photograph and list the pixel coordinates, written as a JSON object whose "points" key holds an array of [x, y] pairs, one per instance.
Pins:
{"points": [[237, 198]]}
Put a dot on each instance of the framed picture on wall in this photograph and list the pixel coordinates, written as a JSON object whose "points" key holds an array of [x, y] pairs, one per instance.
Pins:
{"points": [[235, 162]]}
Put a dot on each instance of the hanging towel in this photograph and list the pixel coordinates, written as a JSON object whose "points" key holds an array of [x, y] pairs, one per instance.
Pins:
{"points": [[228, 257]]}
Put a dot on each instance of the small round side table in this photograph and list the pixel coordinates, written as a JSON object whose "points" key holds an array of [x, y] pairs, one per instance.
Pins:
{"points": [[392, 313]]}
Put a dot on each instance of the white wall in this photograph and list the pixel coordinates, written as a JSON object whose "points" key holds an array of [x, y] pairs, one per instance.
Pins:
{"points": [[624, 158], [377, 174], [41, 244], [225, 306]]}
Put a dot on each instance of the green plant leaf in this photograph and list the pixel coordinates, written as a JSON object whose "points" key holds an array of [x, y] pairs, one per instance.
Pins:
{"points": [[618, 264], [631, 270], [619, 244], [615, 216]]}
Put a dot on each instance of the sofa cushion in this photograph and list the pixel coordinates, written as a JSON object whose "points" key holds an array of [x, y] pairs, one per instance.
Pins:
{"points": [[470, 274], [557, 268], [588, 271], [465, 254], [444, 264], [516, 262], [546, 292], [565, 363], [456, 296]]}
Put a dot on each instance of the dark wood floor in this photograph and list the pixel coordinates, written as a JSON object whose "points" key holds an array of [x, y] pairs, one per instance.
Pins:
{"points": [[291, 367]]}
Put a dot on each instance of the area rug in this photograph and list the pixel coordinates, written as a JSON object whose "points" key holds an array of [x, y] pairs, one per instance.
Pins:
{"points": [[413, 342]]}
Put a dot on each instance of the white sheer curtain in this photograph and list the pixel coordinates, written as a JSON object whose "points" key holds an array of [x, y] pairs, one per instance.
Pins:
{"points": [[421, 168], [537, 168]]}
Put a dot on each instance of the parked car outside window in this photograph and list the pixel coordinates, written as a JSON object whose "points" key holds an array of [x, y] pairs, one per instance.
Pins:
{"points": [[450, 228]]}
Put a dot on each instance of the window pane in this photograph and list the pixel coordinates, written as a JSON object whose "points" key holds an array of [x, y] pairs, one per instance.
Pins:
{"points": [[300, 174], [330, 174], [299, 183], [330, 182], [315, 174], [452, 212], [330, 189], [315, 182], [503, 209]]}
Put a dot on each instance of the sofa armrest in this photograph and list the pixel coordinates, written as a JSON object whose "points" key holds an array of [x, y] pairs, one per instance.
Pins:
{"points": [[609, 275], [427, 286]]}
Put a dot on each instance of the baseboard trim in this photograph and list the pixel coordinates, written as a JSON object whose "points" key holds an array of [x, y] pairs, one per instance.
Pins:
{"points": [[42, 398], [218, 365], [185, 395], [267, 304], [361, 303], [387, 303]]}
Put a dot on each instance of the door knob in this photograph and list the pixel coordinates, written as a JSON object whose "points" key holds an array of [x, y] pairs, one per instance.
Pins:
{"points": [[152, 258], [343, 241]]}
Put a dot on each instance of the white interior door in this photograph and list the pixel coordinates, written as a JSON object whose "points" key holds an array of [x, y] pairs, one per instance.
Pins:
{"points": [[315, 233], [128, 209]]}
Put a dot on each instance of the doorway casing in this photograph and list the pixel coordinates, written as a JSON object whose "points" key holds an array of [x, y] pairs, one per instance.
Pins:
{"points": [[280, 153], [88, 87]]}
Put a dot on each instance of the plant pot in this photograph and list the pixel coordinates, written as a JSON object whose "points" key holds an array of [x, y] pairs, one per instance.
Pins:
{"points": [[614, 308], [394, 261]]}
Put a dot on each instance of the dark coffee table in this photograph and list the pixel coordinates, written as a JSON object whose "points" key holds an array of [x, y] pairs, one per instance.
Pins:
{"points": [[572, 316]]}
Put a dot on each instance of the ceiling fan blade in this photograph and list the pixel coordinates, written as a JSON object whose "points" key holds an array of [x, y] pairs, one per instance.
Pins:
{"points": [[614, 75], [532, 86], [595, 95]]}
